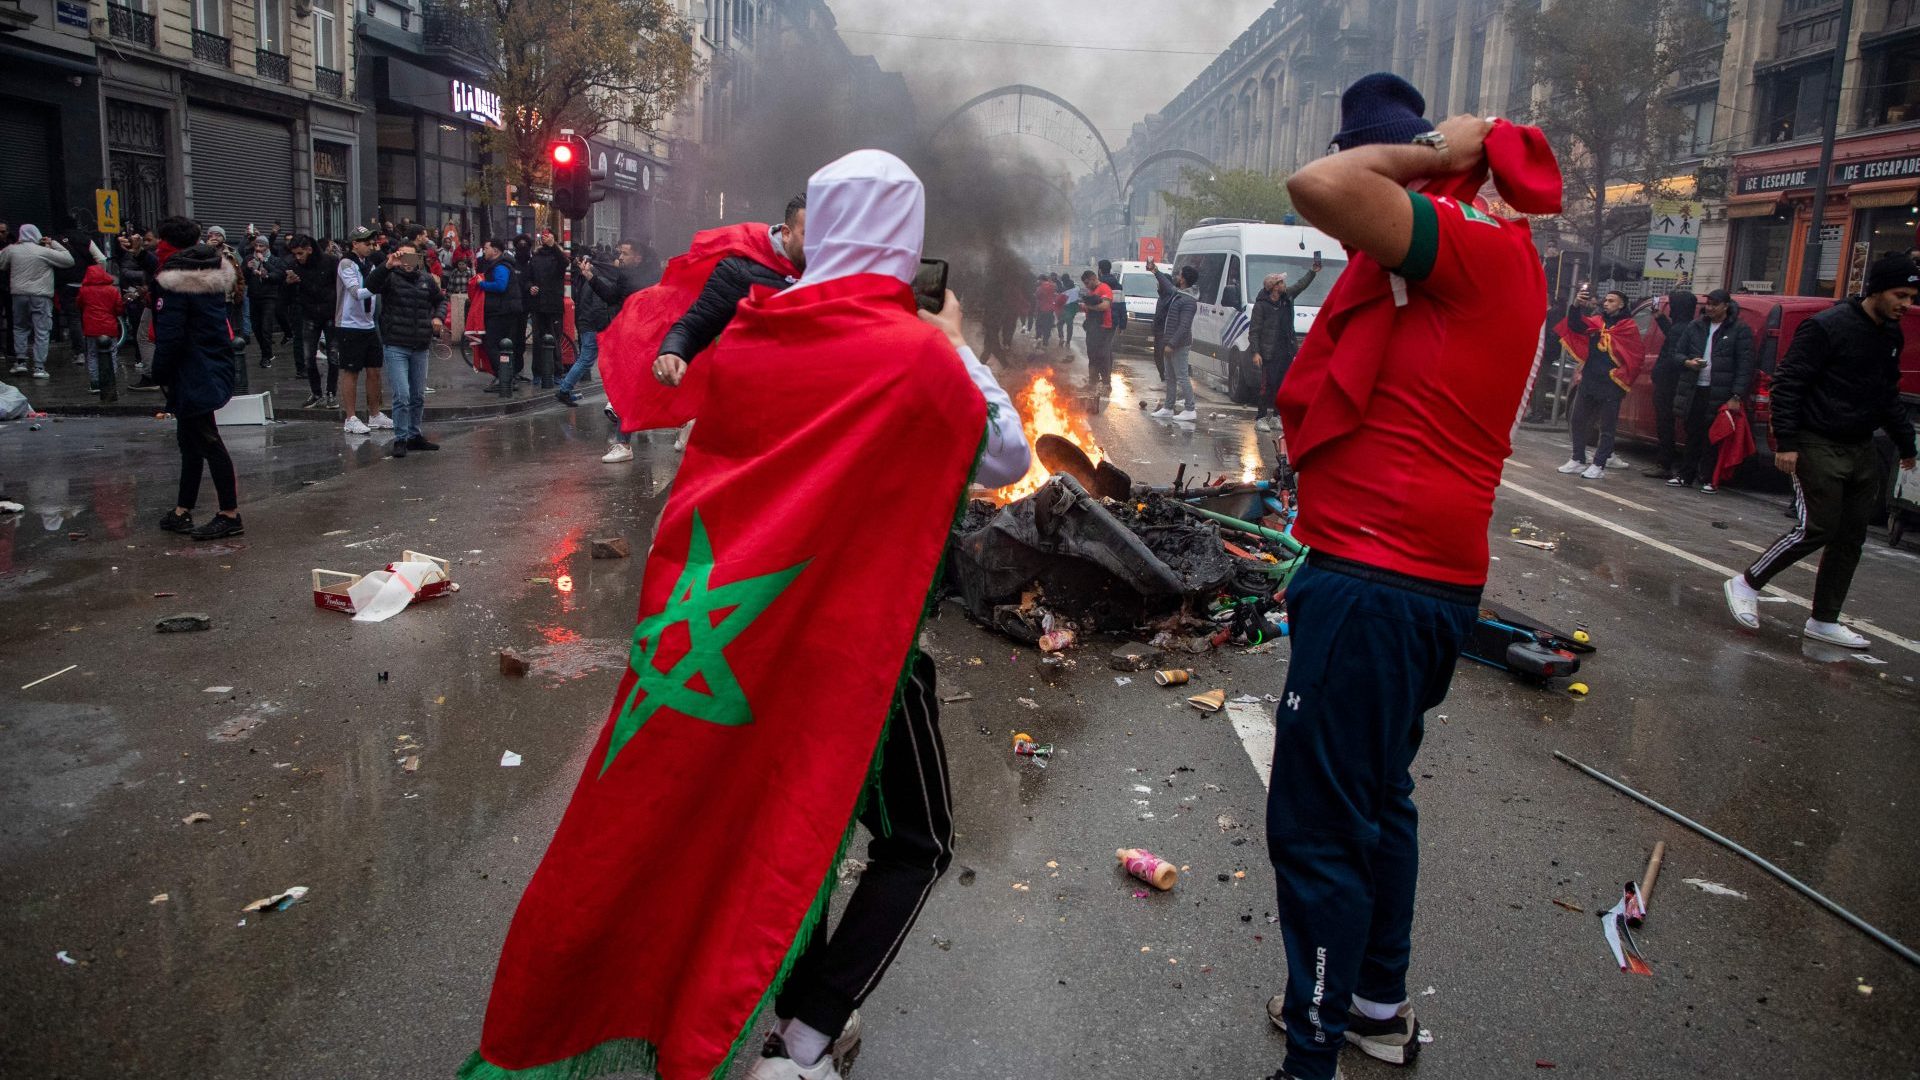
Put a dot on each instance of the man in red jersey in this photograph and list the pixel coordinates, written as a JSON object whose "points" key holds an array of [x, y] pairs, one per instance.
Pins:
{"points": [[1418, 346]]}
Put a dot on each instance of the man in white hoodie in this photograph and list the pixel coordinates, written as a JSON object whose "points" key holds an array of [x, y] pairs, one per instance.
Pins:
{"points": [[30, 263]]}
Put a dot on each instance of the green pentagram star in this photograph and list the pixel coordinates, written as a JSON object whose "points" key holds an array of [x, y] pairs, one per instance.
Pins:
{"points": [[695, 603]]}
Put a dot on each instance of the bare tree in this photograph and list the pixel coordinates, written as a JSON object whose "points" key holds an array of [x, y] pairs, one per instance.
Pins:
{"points": [[1604, 71]]}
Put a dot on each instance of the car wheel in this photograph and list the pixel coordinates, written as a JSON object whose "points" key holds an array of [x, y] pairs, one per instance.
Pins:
{"points": [[1242, 384]]}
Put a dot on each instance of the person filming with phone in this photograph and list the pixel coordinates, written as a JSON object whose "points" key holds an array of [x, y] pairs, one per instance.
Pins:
{"points": [[412, 314]]}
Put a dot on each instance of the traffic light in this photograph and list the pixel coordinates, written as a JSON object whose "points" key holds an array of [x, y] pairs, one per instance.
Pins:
{"points": [[573, 177]]}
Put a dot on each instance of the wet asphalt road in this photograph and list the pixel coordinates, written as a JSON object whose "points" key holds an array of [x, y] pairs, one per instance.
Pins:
{"points": [[382, 971]]}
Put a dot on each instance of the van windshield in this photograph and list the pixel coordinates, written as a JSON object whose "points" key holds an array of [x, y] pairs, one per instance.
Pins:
{"points": [[1140, 285], [1296, 267]]}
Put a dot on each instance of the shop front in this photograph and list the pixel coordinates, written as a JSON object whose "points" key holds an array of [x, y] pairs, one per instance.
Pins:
{"points": [[49, 120], [1873, 207], [627, 211], [428, 146]]}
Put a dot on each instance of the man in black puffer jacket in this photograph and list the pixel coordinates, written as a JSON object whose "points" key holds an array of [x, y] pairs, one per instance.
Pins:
{"points": [[266, 276], [1839, 382], [193, 361], [1273, 339], [412, 315], [606, 293], [725, 288], [1676, 325], [311, 273], [547, 302], [1717, 368]]}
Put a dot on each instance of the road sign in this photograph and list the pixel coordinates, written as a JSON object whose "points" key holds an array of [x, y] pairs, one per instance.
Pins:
{"points": [[1673, 240], [106, 209], [1152, 248]]}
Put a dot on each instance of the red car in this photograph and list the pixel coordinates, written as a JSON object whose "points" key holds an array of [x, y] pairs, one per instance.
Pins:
{"points": [[1773, 320]]}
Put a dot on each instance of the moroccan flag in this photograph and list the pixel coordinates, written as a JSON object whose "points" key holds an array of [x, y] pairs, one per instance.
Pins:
{"points": [[1621, 342], [628, 346], [778, 612]]}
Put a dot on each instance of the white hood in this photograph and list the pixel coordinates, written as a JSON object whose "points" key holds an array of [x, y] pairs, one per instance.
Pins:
{"points": [[866, 214]]}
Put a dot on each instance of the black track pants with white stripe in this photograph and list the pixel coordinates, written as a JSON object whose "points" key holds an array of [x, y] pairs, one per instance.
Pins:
{"points": [[1836, 489], [912, 846]]}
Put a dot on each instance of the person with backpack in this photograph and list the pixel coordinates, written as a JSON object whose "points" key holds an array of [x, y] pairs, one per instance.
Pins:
{"points": [[505, 314]]}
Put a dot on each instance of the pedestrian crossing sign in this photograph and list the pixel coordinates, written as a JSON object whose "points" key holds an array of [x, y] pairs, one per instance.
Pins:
{"points": [[106, 209]]}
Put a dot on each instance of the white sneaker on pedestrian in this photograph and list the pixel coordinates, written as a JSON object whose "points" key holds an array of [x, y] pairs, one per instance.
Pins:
{"points": [[1744, 602], [776, 1065], [1617, 462], [1189, 414], [1573, 466], [381, 421], [41, 373], [355, 426], [17, 369], [1594, 472], [616, 453], [1161, 413], [1260, 423], [1834, 634]]}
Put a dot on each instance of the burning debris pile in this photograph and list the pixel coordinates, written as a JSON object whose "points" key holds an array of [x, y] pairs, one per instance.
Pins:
{"points": [[1076, 546]]}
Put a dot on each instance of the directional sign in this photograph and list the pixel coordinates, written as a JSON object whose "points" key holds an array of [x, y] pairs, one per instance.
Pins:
{"points": [[1673, 240]]}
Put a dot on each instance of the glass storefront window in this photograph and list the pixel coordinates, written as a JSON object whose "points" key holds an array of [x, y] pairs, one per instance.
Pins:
{"points": [[1888, 229], [1760, 255]]}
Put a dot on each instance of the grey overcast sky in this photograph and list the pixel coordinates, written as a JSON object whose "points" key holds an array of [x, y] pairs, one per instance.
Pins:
{"points": [[1117, 60]]}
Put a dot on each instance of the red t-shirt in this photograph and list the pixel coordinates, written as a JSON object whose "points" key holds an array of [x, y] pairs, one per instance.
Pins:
{"points": [[1105, 292], [1411, 488]]}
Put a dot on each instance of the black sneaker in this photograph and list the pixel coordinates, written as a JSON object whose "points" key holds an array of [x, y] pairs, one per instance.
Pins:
{"points": [[219, 528], [333, 401], [1396, 1041], [145, 382], [177, 523], [313, 401], [492, 388], [1657, 474], [419, 442], [570, 400], [399, 448]]}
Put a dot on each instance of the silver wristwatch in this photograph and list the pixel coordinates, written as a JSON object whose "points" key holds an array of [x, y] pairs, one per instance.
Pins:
{"points": [[1434, 139]]}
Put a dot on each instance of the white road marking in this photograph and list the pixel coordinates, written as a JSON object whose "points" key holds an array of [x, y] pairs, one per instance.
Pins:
{"points": [[1254, 724], [1757, 550], [1704, 563], [1611, 497], [1516, 463]]}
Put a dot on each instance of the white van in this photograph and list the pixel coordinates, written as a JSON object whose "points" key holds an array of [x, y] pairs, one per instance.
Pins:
{"points": [[1137, 285], [1233, 259]]}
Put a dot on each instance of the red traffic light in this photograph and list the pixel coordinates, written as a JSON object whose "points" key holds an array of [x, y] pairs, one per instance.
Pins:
{"points": [[562, 153]]}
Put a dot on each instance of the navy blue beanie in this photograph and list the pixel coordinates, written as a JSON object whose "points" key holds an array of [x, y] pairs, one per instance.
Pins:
{"points": [[1380, 108]]}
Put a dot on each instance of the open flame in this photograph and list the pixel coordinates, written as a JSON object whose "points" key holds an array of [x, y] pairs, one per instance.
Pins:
{"points": [[1045, 410]]}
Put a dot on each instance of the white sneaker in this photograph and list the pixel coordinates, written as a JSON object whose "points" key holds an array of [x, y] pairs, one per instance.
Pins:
{"points": [[780, 1067], [17, 369], [381, 421], [1573, 466], [1617, 462], [41, 373], [1158, 414], [1594, 472], [1262, 424], [1187, 415], [1834, 634], [354, 426], [616, 453], [1744, 603]]}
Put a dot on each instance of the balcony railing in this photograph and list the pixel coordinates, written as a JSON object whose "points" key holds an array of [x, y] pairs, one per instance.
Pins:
{"points": [[328, 81], [271, 65], [447, 31], [129, 25], [212, 48]]}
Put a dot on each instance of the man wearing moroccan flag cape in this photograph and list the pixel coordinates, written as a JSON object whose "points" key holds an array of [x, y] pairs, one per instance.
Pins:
{"points": [[1611, 352], [647, 352], [774, 691], [1399, 411]]}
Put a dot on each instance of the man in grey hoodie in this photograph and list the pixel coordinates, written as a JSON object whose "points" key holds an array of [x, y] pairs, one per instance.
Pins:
{"points": [[30, 264], [1178, 337]]}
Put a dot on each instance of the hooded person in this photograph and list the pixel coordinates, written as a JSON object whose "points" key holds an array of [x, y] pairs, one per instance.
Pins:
{"points": [[1676, 323], [1417, 347], [689, 880], [194, 362]]}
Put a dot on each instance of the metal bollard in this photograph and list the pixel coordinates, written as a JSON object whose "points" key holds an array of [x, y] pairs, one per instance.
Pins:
{"points": [[107, 360], [239, 359], [543, 358]]}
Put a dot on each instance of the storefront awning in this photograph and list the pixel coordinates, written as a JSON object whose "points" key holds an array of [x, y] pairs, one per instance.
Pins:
{"points": [[1905, 192], [1765, 204]]}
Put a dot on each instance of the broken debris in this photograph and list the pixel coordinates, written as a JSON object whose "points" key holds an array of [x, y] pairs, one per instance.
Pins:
{"points": [[1148, 867], [509, 760], [280, 901], [1211, 701], [512, 664], [611, 547], [187, 623]]}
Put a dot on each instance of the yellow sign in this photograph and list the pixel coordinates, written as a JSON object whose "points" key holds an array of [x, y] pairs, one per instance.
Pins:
{"points": [[106, 209]]}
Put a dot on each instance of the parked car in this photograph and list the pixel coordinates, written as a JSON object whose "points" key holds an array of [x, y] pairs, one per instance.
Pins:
{"points": [[1233, 258], [1774, 319]]}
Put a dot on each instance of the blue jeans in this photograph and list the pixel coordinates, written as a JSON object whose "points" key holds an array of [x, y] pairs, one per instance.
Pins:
{"points": [[32, 315], [406, 371], [582, 363], [1369, 659]]}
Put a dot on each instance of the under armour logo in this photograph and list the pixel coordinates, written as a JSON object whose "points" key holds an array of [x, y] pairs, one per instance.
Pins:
{"points": [[1293, 702]]}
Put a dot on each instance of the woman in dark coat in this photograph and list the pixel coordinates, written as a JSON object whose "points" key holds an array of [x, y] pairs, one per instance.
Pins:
{"points": [[193, 361]]}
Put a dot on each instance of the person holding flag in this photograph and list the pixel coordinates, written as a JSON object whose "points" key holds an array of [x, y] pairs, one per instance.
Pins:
{"points": [[1610, 351], [775, 695]]}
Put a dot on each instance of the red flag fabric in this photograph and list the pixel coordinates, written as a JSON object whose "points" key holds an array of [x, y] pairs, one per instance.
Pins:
{"points": [[1732, 433], [629, 345], [698, 852], [1621, 342]]}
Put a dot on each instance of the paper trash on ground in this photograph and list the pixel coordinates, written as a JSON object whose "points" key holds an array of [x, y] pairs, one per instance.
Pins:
{"points": [[1713, 887]]}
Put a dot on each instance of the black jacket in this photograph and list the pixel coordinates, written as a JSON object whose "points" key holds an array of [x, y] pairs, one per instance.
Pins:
{"points": [[595, 306], [1272, 335], [409, 302], [1734, 355], [510, 304], [547, 271], [192, 345], [315, 290], [264, 276], [1840, 381], [1164, 288], [711, 313]]}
